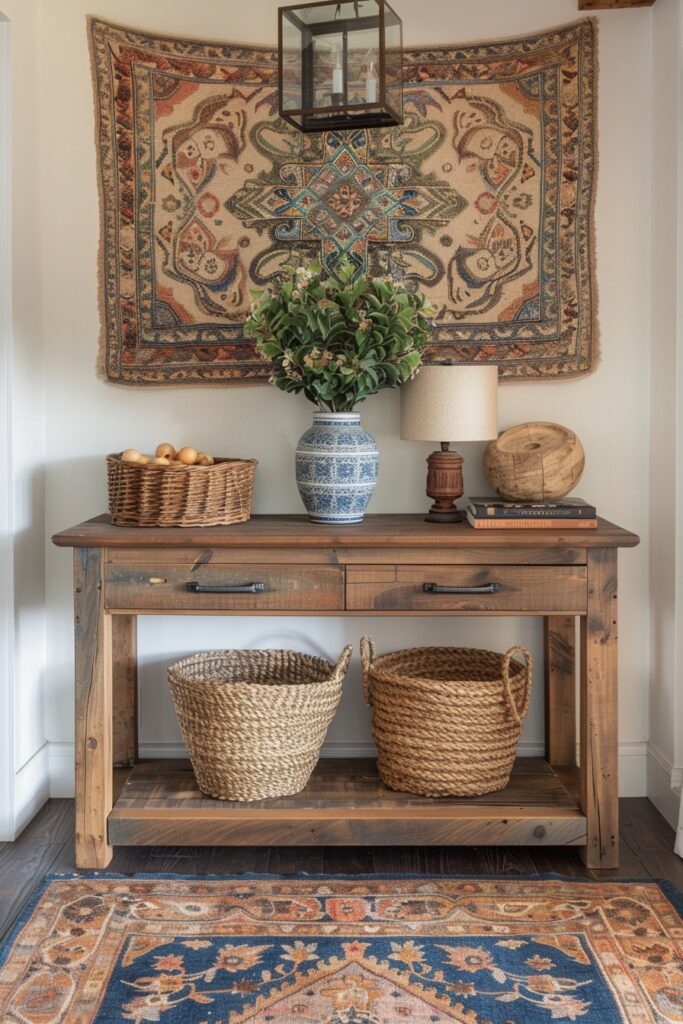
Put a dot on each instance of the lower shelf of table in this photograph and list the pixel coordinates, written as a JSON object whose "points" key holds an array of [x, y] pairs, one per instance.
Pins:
{"points": [[346, 804]]}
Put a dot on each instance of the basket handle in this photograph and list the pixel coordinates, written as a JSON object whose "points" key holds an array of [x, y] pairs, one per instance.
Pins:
{"points": [[368, 653], [342, 665], [518, 714]]}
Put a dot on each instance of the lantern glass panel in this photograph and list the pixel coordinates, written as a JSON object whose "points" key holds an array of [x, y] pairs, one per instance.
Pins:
{"points": [[291, 91], [328, 70], [332, 65], [363, 66], [393, 57]]}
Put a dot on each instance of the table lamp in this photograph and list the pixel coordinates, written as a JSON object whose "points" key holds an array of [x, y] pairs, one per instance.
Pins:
{"points": [[449, 403]]}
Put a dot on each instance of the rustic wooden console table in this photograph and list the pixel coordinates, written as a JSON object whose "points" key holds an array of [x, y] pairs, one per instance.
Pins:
{"points": [[377, 568]]}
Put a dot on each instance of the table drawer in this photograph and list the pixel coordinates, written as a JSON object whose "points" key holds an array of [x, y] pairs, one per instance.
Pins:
{"points": [[473, 588], [239, 588]]}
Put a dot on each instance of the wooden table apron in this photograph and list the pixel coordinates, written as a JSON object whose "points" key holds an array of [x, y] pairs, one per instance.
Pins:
{"points": [[377, 568]]}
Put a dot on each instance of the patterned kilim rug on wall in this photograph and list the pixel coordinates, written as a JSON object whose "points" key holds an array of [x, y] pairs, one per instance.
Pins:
{"points": [[483, 199], [327, 951]]}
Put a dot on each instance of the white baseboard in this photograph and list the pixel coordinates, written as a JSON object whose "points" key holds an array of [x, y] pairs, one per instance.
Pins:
{"points": [[633, 758], [62, 769], [171, 750], [664, 784], [633, 768], [31, 788]]}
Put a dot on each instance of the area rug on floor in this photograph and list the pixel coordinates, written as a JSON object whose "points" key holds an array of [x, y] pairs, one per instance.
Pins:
{"points": [[332, 951], [482, 198]]}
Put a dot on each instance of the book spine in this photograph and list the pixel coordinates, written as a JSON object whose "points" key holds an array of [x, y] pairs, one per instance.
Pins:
{"points": [[489, 523], [520, 513]]}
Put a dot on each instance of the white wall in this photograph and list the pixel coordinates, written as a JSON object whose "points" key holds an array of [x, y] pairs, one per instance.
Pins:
{"points": [[665, 760], [6, 538], [677, 81], [23, 448], [86, 417]]}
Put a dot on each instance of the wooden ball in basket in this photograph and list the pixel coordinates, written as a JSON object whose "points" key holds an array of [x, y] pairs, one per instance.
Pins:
{"points": [[534, 462]]}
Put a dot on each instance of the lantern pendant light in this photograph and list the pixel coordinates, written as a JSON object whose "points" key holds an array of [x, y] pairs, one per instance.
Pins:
{"points": [[340, 65]]}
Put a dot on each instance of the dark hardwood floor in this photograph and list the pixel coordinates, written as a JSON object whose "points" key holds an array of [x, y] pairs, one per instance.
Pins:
{"points": [[47, 845]]}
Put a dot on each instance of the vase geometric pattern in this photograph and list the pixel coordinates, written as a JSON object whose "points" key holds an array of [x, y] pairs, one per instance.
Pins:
{"points": [[336, 468]]}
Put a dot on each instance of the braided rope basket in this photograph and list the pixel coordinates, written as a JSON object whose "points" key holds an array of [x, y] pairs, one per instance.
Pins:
{"points": [[254, 721], [446, 720], [178, 495]]}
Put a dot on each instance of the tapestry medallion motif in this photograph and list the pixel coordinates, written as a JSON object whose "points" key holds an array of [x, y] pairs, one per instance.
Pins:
{"points": [[482, 199], [328, 951]]}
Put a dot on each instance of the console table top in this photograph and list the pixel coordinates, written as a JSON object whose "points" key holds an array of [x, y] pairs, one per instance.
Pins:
{"points": [[395, 531]]}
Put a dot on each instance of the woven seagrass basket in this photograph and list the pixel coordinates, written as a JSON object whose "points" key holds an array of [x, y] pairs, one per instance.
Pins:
{"points": [[178, 495], [446, 720], [254, 721]]}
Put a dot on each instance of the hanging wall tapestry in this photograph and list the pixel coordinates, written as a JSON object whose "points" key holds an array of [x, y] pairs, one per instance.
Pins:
{"points": [[483, 199]]}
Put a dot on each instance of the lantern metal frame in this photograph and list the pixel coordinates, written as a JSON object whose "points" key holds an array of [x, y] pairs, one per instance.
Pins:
{"points": [[343, 116]]}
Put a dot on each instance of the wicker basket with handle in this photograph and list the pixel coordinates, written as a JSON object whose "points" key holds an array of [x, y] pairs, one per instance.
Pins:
{"points": [[254, 721], [178, 495], [446, 720]]}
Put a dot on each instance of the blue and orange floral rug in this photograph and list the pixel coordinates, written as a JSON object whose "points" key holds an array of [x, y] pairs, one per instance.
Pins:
{"points": [[95, 949]]}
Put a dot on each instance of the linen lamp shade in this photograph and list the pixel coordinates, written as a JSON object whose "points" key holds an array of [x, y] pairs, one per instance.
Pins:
{"points": [[451, 403]]}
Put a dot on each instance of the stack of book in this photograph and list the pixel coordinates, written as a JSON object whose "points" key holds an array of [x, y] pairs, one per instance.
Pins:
{"points": [[498, 514]]}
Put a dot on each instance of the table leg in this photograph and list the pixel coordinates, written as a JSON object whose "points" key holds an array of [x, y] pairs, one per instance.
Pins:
{"points": [[93, 710], [560, 689], [125, 690], [598, 715]]}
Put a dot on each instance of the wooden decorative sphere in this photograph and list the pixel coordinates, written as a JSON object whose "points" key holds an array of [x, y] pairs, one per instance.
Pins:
{"points": [[534, 462]]}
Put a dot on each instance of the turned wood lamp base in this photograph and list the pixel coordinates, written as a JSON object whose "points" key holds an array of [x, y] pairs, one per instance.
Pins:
{"points": [[444, 485]]}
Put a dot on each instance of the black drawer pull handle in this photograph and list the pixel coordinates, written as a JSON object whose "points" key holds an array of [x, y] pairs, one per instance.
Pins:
{"points": [[487, 588], [237, 588]]}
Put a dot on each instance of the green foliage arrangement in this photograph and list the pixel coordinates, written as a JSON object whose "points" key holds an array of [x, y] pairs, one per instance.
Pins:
{"points": [[337, 339]]}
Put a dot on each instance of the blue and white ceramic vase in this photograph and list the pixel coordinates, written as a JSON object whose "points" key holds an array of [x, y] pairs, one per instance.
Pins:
{"points": [[336, 468]]}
